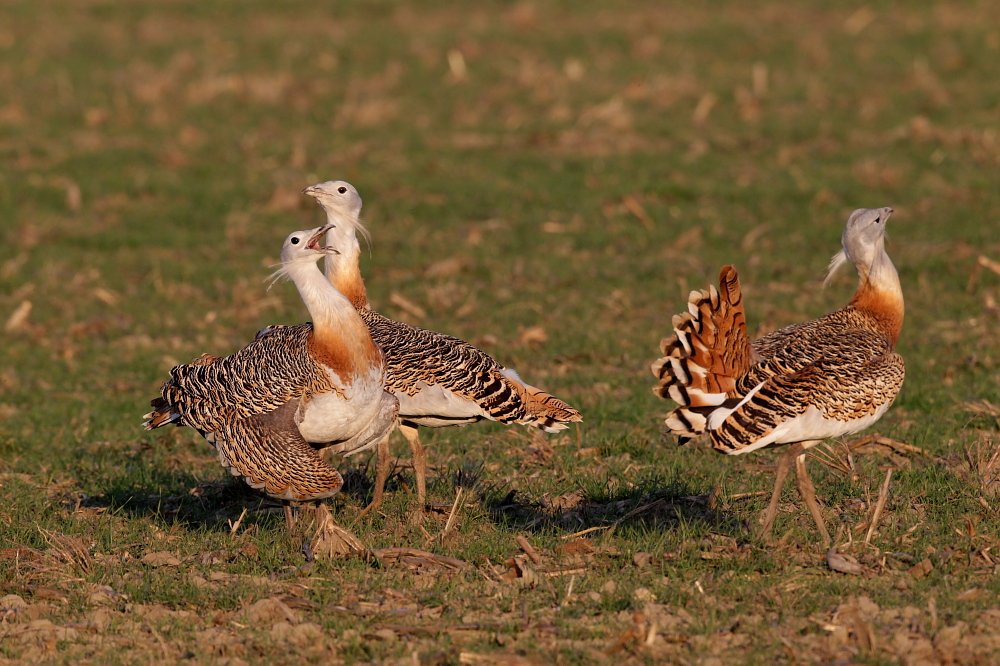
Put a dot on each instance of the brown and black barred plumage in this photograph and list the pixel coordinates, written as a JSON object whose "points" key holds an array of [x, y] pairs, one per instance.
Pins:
{"points": [[841, 364], [439, 380], [245, 404], [823, 378], [293, 389], [417, 360]]}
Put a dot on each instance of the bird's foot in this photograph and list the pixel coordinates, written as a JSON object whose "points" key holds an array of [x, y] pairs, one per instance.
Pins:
{"points": [[331, 540]]}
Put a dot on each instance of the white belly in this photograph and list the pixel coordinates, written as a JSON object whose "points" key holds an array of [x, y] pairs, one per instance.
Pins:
{"points": [[435, 400], [331, 417], [810, 425]]}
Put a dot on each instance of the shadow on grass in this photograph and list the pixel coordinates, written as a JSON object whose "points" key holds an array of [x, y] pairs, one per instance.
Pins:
{"points": [[651, 505], [182, 498], [654, 504]]}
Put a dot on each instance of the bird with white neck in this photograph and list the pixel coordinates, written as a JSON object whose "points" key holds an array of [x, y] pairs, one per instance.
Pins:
{"points": [[294, 389], [439, 380], [824, 378]]}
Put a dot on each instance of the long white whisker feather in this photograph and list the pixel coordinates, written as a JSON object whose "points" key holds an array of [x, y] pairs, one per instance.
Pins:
{"points": [[277, 276], [364, 231], [836, 262]]}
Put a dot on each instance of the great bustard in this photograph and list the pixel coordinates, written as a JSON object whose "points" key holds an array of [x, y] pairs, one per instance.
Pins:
{"points": [[823, 378], [439, 380], [267, 407]]}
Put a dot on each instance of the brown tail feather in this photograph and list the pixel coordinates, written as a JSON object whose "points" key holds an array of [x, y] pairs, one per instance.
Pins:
{"points": [[709, 351], [546, 411], [737, 353], [161, 415]]}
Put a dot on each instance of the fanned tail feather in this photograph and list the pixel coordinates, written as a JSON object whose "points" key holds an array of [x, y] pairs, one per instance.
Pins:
{"points": [[709, 351]]}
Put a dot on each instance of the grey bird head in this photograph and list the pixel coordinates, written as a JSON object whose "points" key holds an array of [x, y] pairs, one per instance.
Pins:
{"points": [[864, 233], [863, 240], [303, 246], [337, 196]]}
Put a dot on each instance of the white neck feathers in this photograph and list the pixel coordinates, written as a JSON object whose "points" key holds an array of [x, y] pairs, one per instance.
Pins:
{"points": [[882, 274], [344, 271], [326, 305], [880, 293]]}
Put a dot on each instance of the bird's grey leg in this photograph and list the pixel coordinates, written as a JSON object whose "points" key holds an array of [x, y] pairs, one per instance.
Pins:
{"points": [[419, 460], [808, 492], [784, 466], [289, 515]]}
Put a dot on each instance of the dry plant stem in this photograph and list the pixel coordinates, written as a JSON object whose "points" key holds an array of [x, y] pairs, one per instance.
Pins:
{"points": [[883, 495], [742, 496], [454, 512], [563, 572], [836, 539], [569, 590], [528, 549], [239, 521], [409, 555], [587, 531], [834, 461], [784, 466], [986, 262], [651, 634], [630, 514], [808, 492]]}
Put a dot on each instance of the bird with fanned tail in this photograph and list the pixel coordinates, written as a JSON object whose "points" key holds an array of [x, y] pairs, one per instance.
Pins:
{"points": [[293, 389], [439, 380], [802, 384]]}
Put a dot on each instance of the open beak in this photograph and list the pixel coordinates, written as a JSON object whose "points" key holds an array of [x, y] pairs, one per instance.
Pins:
{"points": [[312, 191], [314, 240]]}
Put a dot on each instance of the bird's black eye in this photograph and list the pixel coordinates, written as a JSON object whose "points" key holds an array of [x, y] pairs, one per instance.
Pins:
{"points": [[342, 190], [295, 241], [877, 220]]}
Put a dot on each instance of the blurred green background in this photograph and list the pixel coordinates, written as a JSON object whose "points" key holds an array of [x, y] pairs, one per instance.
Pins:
{"points": [[547, 180]]}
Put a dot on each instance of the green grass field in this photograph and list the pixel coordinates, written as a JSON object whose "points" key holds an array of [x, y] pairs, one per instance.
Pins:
{"points": [[547, 181]]}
